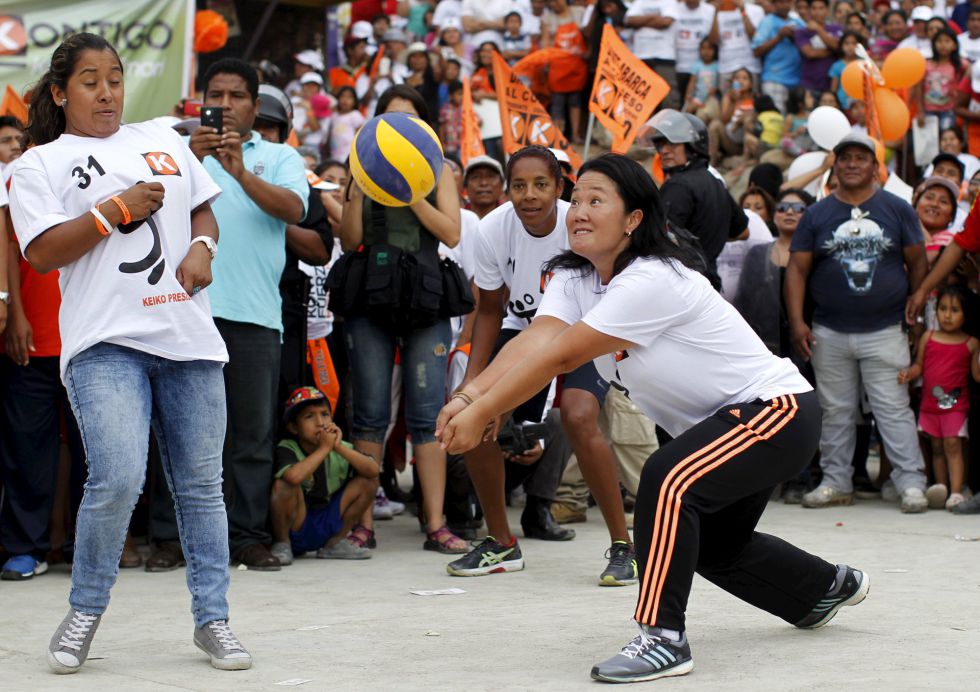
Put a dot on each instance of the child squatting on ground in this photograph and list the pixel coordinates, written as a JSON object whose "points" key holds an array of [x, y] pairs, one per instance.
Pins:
{"points": [[945, 359], [322, 484]]}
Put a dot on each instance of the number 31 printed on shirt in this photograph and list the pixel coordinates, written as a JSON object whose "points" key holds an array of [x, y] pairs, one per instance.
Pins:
{"points": [[156, 251]]}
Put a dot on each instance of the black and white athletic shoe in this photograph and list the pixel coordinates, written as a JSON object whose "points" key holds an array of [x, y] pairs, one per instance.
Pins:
{"points": [[649, 656], [850, 588], [488, 557]]}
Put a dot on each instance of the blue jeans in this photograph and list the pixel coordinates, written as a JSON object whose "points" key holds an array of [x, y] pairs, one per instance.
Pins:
{"points": [[116, 394], [424, 360]]}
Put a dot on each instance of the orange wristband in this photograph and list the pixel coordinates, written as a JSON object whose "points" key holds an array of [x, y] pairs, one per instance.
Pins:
{"points": [[127, 217]]}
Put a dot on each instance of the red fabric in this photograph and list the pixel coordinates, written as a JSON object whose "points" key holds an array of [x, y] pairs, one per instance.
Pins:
{"points": [[366, 10], [946, 366], [969, 237]]}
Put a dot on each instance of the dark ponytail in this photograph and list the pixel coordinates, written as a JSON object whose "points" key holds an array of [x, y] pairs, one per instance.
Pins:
{"points": [[653, 237], [45, 119]]}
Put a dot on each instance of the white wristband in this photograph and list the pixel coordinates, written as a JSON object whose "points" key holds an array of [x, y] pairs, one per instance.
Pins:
{"points": [[102, 219]]}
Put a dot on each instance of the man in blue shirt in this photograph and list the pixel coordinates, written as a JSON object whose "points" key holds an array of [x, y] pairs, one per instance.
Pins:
{"points": [[264, 188], [858, 254], [774, 44]]}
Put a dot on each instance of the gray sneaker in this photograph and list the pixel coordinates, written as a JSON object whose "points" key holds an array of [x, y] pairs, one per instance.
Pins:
{"points": [[284, 552], [851, 586], [343, 550], [71, 641], [889, 493], [649, 656], [914, 501], [217, 641], [825, 496]]}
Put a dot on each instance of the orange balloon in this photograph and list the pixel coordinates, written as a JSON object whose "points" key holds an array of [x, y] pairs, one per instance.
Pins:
{"points": [[852, 80], [903, 68], [893, 114], [210, 31]]}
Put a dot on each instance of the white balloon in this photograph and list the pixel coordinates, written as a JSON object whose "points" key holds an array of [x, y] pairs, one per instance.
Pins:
{"points": [[827, 126], [810, 161]]}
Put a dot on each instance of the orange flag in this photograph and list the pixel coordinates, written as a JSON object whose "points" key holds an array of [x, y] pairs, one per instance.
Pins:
{"points": [[625, 91], [472, 144], [524, 120], [13, 105]]}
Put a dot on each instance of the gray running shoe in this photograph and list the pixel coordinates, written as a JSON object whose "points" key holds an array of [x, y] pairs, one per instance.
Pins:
{"points": [[825, 496], [621, 570], [284, 552], [71, 641], [850, 587], [217, 641], [343, 550], [913, 501], [649, 656]]}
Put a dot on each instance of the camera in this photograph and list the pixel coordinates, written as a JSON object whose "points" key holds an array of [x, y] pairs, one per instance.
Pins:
{"points": [[518, 438]]}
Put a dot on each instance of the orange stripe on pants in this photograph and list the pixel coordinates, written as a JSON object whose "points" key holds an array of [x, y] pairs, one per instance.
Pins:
{"points": [[682, 477]]}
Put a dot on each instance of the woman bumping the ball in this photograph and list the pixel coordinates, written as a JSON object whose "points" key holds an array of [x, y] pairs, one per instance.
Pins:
{"points": [[630, 295], [424, 347], [139, 346]]}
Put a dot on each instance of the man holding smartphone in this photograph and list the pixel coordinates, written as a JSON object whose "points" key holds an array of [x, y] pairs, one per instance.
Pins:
{"points": [[264, 188]]}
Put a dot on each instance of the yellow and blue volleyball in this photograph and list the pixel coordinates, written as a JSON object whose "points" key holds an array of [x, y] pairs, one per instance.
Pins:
{"points": [[396, 159]]}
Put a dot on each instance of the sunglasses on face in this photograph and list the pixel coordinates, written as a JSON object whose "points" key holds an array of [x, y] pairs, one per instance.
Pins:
{"points": [[787, 207]]}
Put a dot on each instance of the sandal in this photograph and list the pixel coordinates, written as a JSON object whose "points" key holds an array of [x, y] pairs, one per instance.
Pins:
{"points": [[954, 499], [362, 537], [442, 540]]}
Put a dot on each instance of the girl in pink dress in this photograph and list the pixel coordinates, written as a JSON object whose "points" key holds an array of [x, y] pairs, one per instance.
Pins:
{"points": [[945, 360]]}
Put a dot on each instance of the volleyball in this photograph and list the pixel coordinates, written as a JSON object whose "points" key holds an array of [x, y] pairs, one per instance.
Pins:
{"points": [[396, 159]]}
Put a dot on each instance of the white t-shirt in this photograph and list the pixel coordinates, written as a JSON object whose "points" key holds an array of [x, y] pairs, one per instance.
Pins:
{"points": [[445, 10], [490, 10], [923, 45], [732, 256], [650, 43], [123, 291], [735, 46], [4, 199], [507, 255], [969, 47], [692, 27], [694, 353]]}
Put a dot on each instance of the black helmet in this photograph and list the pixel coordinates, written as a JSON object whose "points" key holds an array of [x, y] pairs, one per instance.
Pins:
{"points": [[700, 145], [276, 108]]}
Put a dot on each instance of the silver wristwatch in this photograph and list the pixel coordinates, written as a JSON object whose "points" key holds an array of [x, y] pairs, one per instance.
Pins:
{"points": [[5, 297], [209, 243]]}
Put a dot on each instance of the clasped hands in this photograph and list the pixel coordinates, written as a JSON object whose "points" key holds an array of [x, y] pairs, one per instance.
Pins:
{"points": [[462, 425]]}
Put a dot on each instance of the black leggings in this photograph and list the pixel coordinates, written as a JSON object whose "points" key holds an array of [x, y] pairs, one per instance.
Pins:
{"points": [[699, 501]]}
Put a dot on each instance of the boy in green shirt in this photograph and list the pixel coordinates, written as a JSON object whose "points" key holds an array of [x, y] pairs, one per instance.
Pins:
{"points": [[322, 484]]}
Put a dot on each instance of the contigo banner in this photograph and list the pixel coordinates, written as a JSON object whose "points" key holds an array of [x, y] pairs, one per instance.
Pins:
{"points": [[153, 38], [525, 121], [625, 91]]}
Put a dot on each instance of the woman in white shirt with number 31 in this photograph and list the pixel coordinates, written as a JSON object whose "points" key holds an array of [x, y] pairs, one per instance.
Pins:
{"points": [[630, 295], [123, 212]]}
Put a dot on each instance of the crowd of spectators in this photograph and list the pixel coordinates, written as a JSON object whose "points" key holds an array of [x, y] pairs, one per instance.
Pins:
{"points": [[821, 271]]}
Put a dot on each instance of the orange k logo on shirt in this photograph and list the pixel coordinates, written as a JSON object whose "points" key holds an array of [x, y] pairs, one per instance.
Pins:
{"points": [[161, 163]]}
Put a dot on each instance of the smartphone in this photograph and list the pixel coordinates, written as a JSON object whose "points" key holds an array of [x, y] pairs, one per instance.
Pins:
{"points": [[213, 116], [192, 108]]}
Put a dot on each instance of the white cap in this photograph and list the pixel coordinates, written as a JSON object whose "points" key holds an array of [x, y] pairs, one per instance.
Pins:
{"points": [[451, 23], [318, 183], [484, 161], [310, 58], [361, 29], [922, 14], [311, 77], [561, 155]]}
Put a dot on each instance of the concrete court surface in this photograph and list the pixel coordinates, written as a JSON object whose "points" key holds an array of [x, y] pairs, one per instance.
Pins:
{"points": [[540, 629]]}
